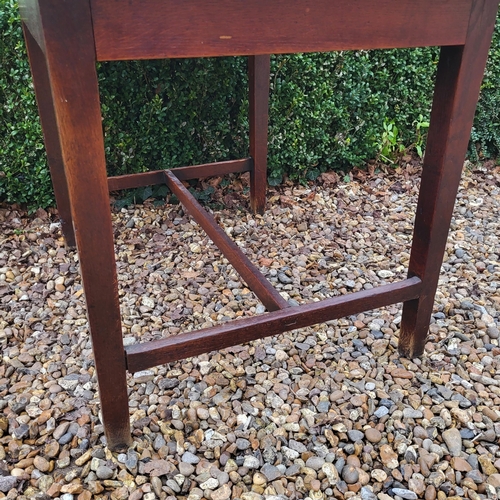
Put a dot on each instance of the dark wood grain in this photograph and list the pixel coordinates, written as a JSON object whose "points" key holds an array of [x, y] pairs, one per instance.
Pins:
{"points": [[145, 29], [183, 173], [69, 49], [459, 77], [142, 356], [215, 169], [268, 295], [258, 79], [131, 181], [43, 94]]}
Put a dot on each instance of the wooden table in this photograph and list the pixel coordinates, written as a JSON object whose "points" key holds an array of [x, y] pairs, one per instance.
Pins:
{"points": [[65, 39]]}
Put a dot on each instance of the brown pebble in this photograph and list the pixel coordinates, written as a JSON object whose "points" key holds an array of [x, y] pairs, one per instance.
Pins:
{"points": [[353, 460], [86, 495], [460, 464], [41, 463], [373, 435], [315, 485], [430, 492]]}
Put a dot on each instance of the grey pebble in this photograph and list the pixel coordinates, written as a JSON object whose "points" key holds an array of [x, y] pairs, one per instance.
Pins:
{"points": [[349, 474], [411, 413], [453, 441], [242, 444], [283, 278], [104, 472], [190, 458], [367, 494], [7, 483], [271, 472], [404, 493], [186, 469], [315, 462], [381, 411], [355, 435]]}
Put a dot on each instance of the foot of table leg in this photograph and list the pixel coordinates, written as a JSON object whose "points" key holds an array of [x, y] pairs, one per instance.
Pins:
{"points": [[258, 77]]}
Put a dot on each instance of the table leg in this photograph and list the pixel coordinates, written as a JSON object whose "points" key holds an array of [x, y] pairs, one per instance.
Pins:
{"points": [[258, 77], [51, 138], [67, 37], [458, 82]]}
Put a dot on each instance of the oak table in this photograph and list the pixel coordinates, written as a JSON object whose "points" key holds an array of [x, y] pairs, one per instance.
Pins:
{"points": [[66, 38]]}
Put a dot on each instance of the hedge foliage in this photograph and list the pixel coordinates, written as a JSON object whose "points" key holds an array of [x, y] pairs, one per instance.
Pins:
{"points": [[327, 111]]}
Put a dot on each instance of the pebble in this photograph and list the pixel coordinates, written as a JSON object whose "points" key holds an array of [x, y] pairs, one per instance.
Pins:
{"points": [[355, 435], [190, 458], [453, 441], [271, 472], [373, 435], [315, 462], [104, 472], [350, 474], [7, 483], [404, 493]]}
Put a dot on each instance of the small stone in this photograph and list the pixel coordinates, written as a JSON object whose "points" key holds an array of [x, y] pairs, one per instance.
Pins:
{"points": [[486, 465], [388, 456], [41, 463], [331, 473], [350, 474], [367, 494], [373, 435], [453, 441], [355, 436], [379, 475], [222, 493], [430, 493], [7, 483], [385, 274], [283, 278], [242, 444], [210, 484], [460, 464], [404, 493], [411, 413], [148, 302], [491, 414], [190, 458], [104, 472], [60, 430], [186, 469], [381, 411], [494, 480], [252, 462], [315, 463], [271, 472]]}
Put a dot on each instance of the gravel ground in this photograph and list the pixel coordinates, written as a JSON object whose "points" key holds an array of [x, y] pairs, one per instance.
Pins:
{"points": [[330, 411]]}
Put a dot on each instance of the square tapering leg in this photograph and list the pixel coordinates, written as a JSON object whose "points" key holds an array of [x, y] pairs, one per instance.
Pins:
{"points": [[63, 32], [258, 78], [458, 82]]}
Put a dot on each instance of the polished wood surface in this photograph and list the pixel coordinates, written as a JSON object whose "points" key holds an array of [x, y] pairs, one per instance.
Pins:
{"points": [[147, 29], [66, 39]]}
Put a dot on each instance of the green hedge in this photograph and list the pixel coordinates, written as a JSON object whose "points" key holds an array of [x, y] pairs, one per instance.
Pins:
{"points": [[327, 111]]}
